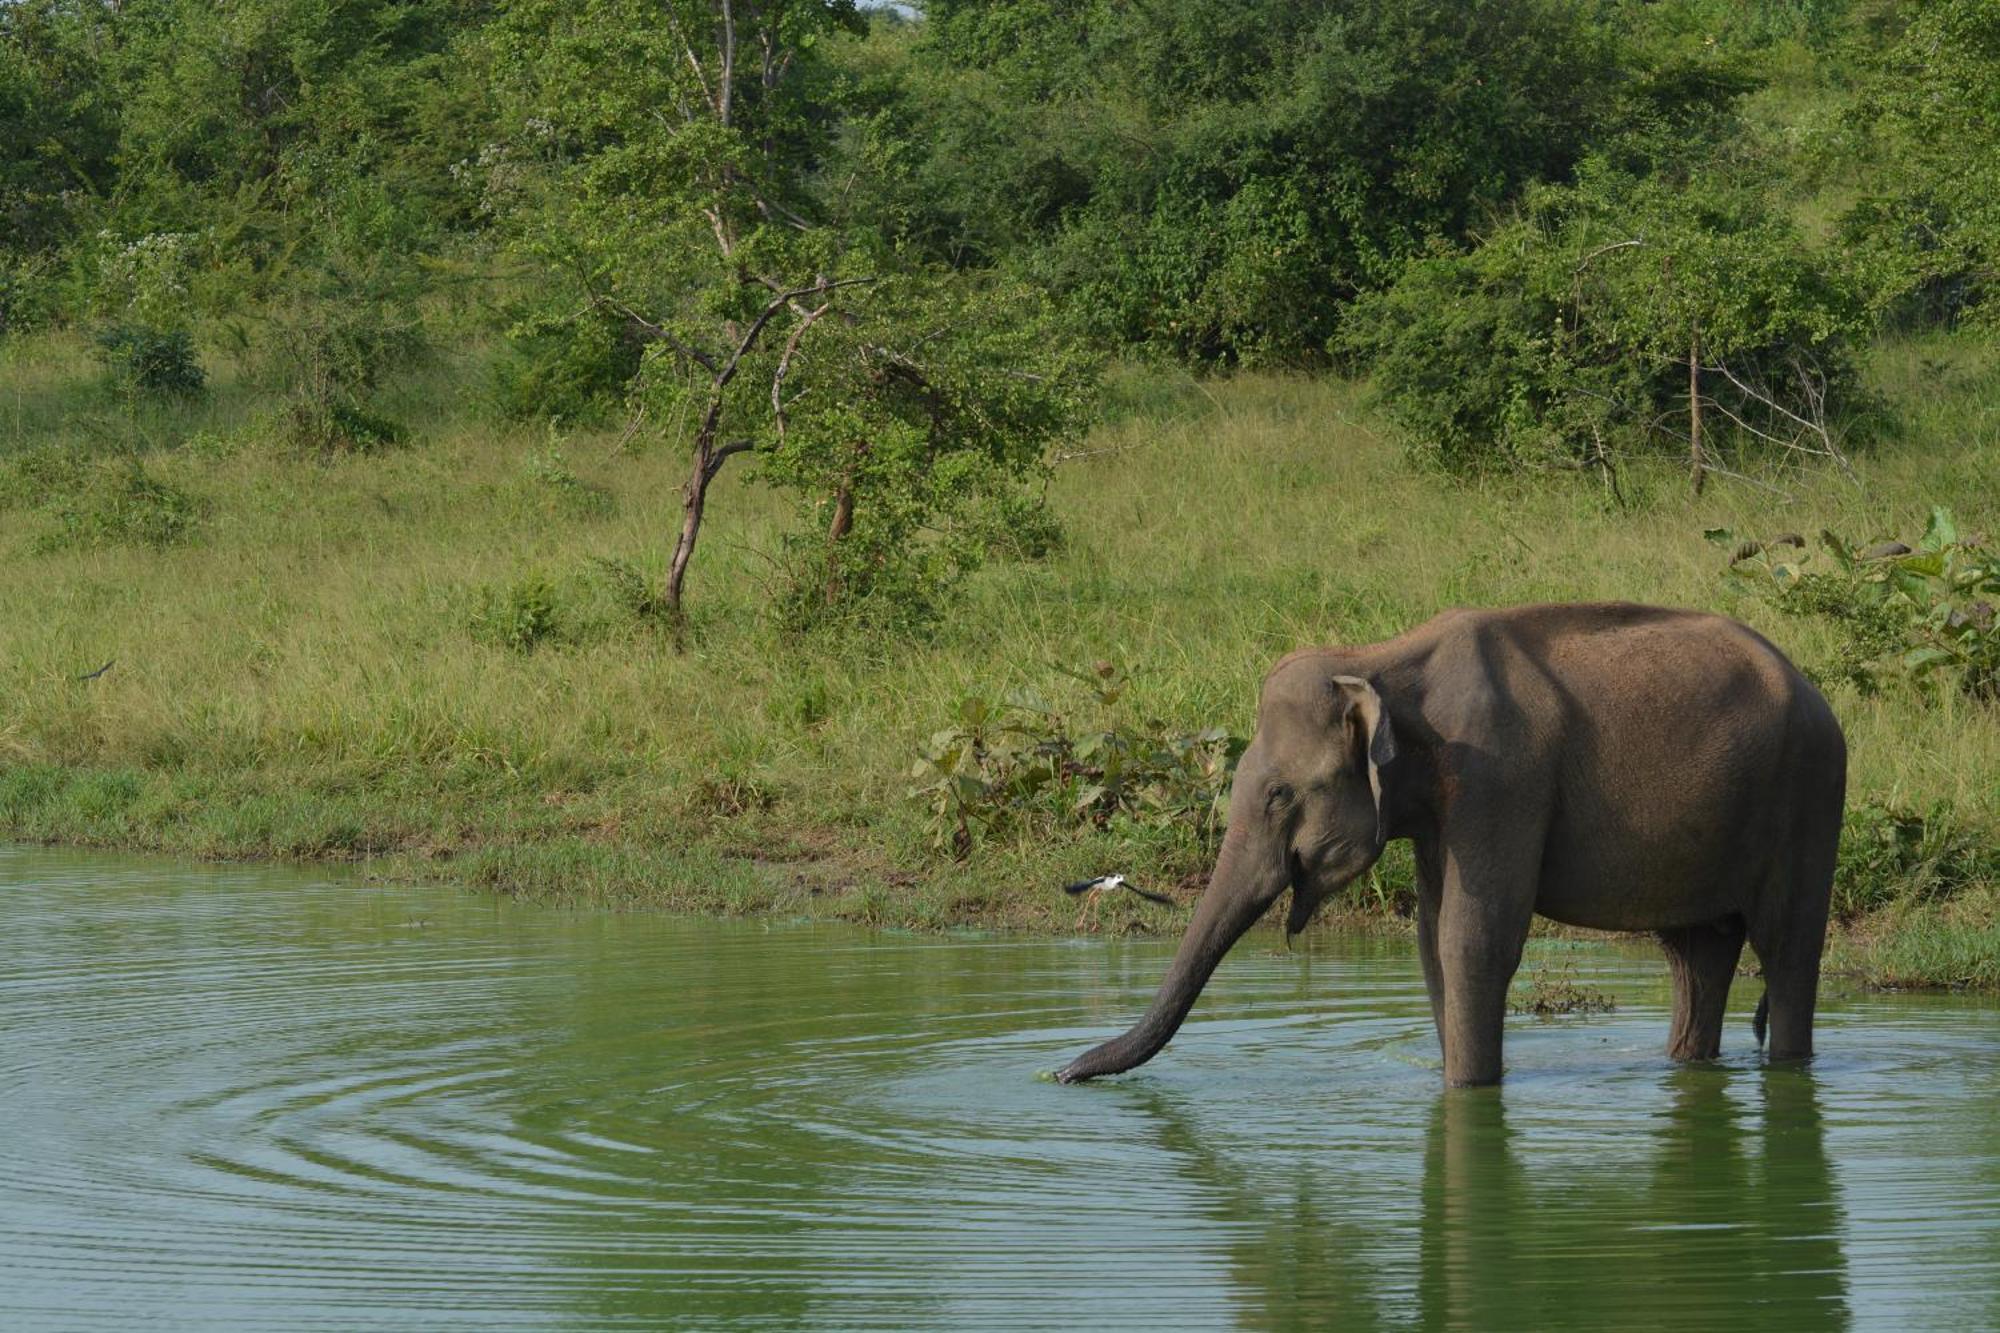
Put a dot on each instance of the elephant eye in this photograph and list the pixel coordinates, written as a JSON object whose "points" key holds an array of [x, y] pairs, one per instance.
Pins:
{"points": [[1278, 797]]}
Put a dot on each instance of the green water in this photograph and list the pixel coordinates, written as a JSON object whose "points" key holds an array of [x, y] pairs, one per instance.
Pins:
{"points": [[262, 1098]]}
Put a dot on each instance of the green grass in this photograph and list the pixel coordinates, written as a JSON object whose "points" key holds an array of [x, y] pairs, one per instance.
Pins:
{"points": [[321, 668]]}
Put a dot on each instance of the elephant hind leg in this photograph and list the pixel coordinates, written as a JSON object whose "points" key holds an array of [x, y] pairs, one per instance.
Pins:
{"points": [[1703, 961], [1789, 943], [1791, 986]]}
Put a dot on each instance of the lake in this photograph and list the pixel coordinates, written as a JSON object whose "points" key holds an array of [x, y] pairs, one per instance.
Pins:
{"points": [[278, 1098]]}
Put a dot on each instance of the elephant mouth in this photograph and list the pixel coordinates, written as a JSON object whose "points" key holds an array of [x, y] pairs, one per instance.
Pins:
{"points": [[1306, 899], [1304, 903]]}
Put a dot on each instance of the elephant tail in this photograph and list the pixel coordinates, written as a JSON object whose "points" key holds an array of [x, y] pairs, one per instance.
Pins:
{"points": [[1759, 1019]]}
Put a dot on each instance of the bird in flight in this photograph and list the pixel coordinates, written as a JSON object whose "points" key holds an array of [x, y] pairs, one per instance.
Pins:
{"points": [[1105, 883]]}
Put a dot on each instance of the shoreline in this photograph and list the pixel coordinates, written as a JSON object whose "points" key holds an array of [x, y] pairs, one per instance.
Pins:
{"points": [[828, 890]]}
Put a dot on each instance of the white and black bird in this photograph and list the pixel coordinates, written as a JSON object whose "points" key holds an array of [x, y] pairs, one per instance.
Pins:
{"points": [[1106, 883]]}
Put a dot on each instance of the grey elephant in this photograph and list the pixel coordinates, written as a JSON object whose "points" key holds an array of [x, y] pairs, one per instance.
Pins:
{"points": [[1612, 766]]}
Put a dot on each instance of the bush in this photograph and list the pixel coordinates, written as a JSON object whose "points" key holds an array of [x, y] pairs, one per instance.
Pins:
{"points": [[603, 599], [153, 360], [1890, 855], [1565, 339], [1919, 612], [1022, 764], [1929, 112], [520, 616], [551, 488], [97, 503], [342, 331], [1215, 178], [574, 370]]}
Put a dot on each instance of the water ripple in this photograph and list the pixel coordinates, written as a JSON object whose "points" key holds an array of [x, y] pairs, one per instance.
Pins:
{"points": [[296, 1103]]}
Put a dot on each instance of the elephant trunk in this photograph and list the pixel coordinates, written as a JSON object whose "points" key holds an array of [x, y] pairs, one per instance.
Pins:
{"points": [[1237, 895]]}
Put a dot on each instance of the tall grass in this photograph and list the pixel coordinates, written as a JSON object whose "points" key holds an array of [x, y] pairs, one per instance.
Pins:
{"points": [[315, 672]]}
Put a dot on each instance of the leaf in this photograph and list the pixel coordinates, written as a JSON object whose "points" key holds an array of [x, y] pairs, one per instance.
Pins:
{"points": [[1941, 532], [1929, 564], [1720, 536]]}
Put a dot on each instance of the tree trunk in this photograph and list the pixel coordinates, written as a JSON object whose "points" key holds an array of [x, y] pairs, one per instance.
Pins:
{"points": [[1697, 464], [843, 523], [694, 495]]}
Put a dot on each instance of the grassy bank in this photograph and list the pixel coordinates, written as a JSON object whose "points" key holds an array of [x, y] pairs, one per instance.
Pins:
{"points": [[328, 664]]}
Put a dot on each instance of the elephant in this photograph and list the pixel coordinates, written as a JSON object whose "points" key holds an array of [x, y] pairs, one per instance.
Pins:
{"points": [[1606, 765]]}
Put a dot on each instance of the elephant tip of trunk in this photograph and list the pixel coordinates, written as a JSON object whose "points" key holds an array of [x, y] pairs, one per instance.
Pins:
{"points": [[1073, 1072]]}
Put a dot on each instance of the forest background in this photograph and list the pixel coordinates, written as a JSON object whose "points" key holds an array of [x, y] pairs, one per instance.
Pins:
{"points": [[799, 458]]}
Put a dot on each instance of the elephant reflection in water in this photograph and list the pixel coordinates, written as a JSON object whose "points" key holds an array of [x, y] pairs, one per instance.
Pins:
{"points": [[1727, 1218]]}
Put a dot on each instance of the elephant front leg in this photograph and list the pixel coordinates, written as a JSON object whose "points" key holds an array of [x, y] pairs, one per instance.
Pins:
{"points": [[1429, 903], [1485, 907]]}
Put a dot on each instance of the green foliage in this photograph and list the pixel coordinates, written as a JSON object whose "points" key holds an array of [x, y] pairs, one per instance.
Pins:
{"points": [[600, 600], [573, 369], [520, 616], [152, 360], [1216, 178], [86, 504], [1023, 765], [345, 327], [1891, 856], [1928, 124], [549, 485], [910, 433], [1565, 338], [1919, 613]]}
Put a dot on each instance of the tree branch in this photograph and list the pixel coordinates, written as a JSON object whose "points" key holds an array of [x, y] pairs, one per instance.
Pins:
{"points": [[658, 333], [722, 452], [778, 302], [785, 365]]}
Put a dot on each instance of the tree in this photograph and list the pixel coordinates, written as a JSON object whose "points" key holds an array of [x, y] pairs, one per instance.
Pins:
{"points": [[670, 159]]}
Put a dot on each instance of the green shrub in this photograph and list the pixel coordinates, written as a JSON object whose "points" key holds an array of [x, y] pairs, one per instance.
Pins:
{"points": [[569, 369], [1890, 855], [1916, 612], [89, 504], [550, 487], [520, 616], [1565, 339], [332, 341], [1021, 763], [153, 361], [628, 588]]}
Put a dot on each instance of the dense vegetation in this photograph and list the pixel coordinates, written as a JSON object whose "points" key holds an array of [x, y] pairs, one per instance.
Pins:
{"points": [[789, 454]]}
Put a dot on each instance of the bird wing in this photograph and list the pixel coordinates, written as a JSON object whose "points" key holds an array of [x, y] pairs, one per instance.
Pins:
{"points": [[1149, 895]]}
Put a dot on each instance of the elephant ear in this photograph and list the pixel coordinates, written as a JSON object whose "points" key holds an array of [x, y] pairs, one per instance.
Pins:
{"points": [[1369, 723]]}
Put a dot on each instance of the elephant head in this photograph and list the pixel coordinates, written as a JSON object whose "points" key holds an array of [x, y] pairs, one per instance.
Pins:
{"points": [[1306, 813]]}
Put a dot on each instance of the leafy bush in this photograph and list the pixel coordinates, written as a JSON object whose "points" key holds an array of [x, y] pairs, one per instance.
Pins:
{"points": [[343, 329], [1020, 763], [910, 441], [520, 616], [1214, 178], [1928, 115], [153, 360], [569, 369], [1921, 612], [1890, 855], [1565, 339], [603, 599], [96, 503], [549, 486]]}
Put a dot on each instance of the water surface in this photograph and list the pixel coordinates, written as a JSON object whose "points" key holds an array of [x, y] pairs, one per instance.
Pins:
{"points": [[266, 1098]]}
